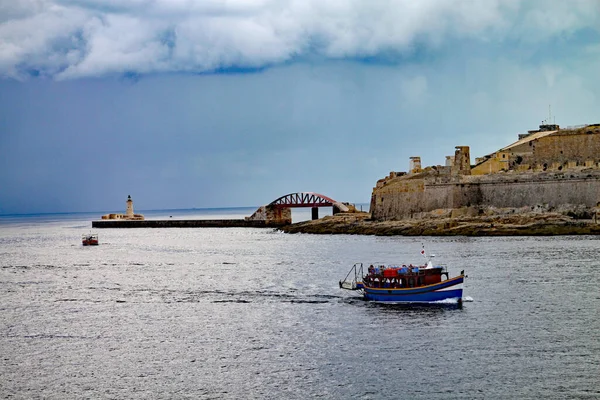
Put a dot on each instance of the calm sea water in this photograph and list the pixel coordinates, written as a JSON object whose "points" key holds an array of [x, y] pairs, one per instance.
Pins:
{"points": [[237, 313]]}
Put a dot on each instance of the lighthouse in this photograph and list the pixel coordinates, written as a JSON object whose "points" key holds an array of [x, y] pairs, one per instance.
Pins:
{"points": [[129, 211], [129, 215]]}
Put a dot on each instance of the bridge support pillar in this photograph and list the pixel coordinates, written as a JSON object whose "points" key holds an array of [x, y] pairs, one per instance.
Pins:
{"points": [[272, 216], [279, 216], [315, 213]]}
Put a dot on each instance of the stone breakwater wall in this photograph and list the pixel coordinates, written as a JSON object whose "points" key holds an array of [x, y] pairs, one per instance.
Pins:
{"points": [[191, 223], [409, 196]]}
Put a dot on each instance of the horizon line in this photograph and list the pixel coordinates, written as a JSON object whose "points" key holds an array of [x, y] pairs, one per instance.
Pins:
{"points": [[121, 212]]}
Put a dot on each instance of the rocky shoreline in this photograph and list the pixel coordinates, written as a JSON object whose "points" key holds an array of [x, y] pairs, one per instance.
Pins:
{"points": [[520, 224]]}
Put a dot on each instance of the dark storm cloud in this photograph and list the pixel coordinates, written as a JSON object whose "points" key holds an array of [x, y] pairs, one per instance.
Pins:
{"points": [[69, 39]]}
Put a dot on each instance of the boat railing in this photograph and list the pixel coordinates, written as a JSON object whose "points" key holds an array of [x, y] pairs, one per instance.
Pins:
{"points": [[354, 276]]}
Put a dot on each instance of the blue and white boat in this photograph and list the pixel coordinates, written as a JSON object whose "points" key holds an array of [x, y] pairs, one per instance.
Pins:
{"points": [[405, 284]]}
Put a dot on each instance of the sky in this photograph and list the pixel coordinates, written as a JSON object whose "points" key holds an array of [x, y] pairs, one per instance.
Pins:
{"points": [[234, 103]]}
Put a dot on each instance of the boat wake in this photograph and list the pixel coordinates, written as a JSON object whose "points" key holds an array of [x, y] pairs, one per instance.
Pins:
{"points": [[446, 301], [466, 299], [218, 296]]}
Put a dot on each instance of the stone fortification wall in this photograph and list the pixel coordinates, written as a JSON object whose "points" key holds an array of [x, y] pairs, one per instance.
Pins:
{"points": [[406, 198], [522, 190], [568, 147], [561, 150], [551, 169]]}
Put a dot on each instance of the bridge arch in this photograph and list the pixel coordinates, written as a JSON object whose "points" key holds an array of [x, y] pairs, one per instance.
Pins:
{"points": [[278, 212], [305, 199]]}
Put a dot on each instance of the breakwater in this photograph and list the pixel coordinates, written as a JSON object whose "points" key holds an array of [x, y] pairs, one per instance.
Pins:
{"points": [[189, 223]]}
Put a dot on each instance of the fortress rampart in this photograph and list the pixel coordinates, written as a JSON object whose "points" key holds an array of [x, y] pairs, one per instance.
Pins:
{"points": [[564, 148], [550, 169]]}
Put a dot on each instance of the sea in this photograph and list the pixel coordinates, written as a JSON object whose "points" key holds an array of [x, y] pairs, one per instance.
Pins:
{"points": [[254, 313]]}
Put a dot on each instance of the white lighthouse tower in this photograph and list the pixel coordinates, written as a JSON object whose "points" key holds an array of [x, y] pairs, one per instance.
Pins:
{"points": [[129, 215], [129, 212]]}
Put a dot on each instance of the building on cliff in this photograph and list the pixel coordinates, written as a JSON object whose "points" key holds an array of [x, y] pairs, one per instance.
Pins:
{"points": [[129, 214], [548, 167]]}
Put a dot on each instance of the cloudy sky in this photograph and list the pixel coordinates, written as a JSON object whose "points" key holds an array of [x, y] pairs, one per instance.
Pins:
{"points": [[226, 103]]}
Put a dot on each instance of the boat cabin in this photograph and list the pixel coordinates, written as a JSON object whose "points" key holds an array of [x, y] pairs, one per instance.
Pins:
{"points": [[403, 277]]}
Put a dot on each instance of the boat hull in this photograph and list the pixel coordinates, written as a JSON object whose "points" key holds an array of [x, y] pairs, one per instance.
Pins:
{"points": [[450, 289], [89, 240]]}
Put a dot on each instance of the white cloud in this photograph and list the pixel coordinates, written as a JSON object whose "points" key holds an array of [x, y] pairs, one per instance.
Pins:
{"points": [[77, 38]]}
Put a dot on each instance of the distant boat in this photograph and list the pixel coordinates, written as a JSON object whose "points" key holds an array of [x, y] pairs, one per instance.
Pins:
{"points": [[405, 284], [90, 239]]}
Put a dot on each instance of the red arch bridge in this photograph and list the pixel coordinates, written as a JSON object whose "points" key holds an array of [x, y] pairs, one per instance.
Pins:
{"points": [[279, 211]]}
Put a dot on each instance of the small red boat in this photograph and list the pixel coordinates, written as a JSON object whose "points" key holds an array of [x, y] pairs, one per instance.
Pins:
{"points": [[90, 239]]}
